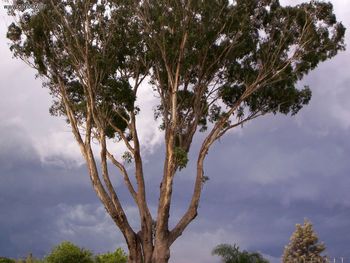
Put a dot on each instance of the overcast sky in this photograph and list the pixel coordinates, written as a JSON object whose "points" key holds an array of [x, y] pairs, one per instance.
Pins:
{"points": [[264, 178]]}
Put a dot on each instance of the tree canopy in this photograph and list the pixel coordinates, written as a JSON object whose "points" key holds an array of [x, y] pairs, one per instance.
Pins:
{"points": [[213, 64], [218, 54]]}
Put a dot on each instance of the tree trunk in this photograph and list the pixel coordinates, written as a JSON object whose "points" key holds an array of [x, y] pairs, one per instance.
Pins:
{"points": [[137, 254], [161, 253]]}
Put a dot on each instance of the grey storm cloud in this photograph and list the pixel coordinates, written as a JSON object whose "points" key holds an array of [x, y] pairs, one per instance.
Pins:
{"points": [[276, 178], [43, 203]]}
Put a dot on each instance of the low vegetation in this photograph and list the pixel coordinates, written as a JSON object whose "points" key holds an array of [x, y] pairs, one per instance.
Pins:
{"points": [[67, 252], [303, 247]]}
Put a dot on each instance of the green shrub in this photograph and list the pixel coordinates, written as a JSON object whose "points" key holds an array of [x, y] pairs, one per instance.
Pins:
{"points": [[67, 252], [118, 256], [6, 260]]}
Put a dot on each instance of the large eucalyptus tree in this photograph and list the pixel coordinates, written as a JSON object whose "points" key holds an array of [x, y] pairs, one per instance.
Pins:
{"points": [[214, 64]]}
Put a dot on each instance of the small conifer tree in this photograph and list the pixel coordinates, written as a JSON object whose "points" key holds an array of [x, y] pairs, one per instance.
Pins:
{"points": [[304, 246]]}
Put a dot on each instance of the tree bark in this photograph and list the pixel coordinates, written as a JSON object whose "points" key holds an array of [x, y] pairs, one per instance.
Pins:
{"points": [[135, 251], [161, 252]]}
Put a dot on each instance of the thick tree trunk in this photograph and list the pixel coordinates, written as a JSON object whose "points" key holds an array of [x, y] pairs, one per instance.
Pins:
{"points": [[137, 254], [161, 253]]}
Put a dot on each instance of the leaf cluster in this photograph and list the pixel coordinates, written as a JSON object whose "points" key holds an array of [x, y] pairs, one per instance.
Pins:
{"points": [[117, 256], [247, 55]]}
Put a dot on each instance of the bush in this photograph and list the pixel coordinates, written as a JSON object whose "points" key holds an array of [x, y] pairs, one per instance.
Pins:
{"points": [[28, 259], [67, 252], [119, 256], [6, 260]]}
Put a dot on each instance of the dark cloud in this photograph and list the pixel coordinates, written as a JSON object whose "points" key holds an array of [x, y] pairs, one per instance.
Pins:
{"points": [[44, 203]]}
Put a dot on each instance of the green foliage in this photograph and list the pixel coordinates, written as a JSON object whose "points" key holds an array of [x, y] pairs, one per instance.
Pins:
{"points": [[304, 246], [181, 157], [47, 40], [67, 252], [265, 34], [28, 259], [127, 157], [117, 256], [6, 260], [232, 254], [251, 53]]}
